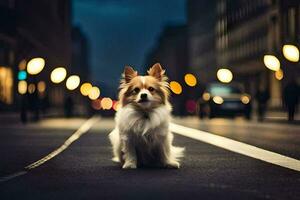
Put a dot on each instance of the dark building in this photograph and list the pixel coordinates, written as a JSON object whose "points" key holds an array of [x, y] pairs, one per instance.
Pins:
{"points": [[171, 52], [201, 19], [80, 52], [246, 30], [8, 47], [80, 66], [35, 28]]}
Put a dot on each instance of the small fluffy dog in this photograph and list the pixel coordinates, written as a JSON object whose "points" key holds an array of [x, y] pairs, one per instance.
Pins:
{"points": [[142, 136]]}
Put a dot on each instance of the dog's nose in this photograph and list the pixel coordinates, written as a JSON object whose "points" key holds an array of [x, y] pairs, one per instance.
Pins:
{"points": [[144, 96]]}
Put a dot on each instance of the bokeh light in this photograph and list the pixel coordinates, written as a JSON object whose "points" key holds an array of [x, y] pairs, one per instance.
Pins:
{"points": [[22, 75], [85, 89], [116, 105], [291, 52], [41, 86], [106, 103], [35, 66], [279, 74], [271, 62], [218, 99], [245, 99], [190, 80], [22, 87], [224, 75], [22, 65], [175, 87], [191, 106], [58, 75], [72, 82], [206, 96], [31, 88], [96, 104], [94, 93]]}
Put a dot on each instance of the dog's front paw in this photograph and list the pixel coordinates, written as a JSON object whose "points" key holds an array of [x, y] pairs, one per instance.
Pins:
{"points": [[129, 165], [173, 165]]}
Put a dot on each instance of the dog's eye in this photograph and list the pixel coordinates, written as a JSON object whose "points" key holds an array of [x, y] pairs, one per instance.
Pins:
{"points": [[136, 90], [151, 89]]}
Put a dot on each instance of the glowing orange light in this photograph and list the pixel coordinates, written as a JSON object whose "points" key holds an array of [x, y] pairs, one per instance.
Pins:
{"points": [[116, 106], [96, 104], [41, 86], [175, 87], [279, 74], [190, 80], [85, 89], [106, 103]]}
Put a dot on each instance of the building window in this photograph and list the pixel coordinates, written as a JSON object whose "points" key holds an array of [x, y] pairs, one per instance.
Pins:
{"points": [[6, 85], [292, 23]]}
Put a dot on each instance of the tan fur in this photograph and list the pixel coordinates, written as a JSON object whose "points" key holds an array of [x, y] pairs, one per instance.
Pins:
{"points": [[142, 136]]}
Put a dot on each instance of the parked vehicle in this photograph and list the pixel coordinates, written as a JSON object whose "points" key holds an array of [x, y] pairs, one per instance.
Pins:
{"points": [[224, 100]]}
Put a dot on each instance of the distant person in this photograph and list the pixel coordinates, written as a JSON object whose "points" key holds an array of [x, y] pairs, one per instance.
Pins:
{"points": [[262, 97], [34, 104], [69, 106], [291, 98], [24, 108]]}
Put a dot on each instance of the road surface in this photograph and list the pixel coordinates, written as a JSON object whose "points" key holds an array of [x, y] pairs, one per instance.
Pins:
{"points": [[83, 170]]}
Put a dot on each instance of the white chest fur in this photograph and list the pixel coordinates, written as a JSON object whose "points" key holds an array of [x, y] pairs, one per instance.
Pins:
{"points": [[129, 120]]}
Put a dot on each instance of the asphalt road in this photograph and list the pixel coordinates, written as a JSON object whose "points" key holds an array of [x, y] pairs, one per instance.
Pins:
{"points": [[85, 171]]}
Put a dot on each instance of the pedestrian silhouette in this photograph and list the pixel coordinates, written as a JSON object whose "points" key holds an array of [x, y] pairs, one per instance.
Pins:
{"points": [[24, 108], [291, 98], [68, 106], [34, 105], [262, 97]]}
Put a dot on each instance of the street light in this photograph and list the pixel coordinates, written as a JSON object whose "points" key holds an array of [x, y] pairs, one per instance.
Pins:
{"points": [[22, 75], [41, 86], [190, 80], [291, 52], [224, 75], [85, 89], [73, 82], [271, 62], [94, 93], [279, 74], [22, 65], [58, 75], [22, 87], [35, 66], [31, 88], [106, 103], [175, 87], [116, 106]]}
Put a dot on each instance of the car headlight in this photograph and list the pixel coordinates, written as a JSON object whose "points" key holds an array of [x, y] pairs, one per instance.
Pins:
{"points": [[245, 99], [218, 100], [206, 96]]}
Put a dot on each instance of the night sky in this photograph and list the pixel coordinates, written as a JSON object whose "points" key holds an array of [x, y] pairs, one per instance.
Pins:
{"points": [[121, 32]]}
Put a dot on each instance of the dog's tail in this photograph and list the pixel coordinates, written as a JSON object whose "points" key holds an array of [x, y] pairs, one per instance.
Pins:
{"points": [[177, 152]]}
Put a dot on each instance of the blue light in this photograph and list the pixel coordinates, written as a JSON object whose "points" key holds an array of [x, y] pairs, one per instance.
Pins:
{"points": [[22, 75]]}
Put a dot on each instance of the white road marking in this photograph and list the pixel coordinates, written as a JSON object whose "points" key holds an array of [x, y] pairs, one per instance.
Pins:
{"points": [[75, 136], [237, 147]]}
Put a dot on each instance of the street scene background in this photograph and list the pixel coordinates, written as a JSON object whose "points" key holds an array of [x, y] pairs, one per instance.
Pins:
{"points": [[234, 73]]}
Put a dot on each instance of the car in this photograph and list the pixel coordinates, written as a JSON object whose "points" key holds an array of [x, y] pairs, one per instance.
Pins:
{"points": [[224, 100]]}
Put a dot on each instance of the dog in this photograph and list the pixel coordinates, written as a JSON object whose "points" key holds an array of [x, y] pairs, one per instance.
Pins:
{"points": [[142, 137]]}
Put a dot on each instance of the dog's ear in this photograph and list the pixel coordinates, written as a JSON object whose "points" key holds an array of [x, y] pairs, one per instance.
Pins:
{"points": [[129, 74], [156, 71]]}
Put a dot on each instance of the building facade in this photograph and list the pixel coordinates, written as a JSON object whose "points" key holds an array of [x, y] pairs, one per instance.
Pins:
{"points": [[171, 52], [246, 30], [31, 29], [201, 20], [8, 47]]}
